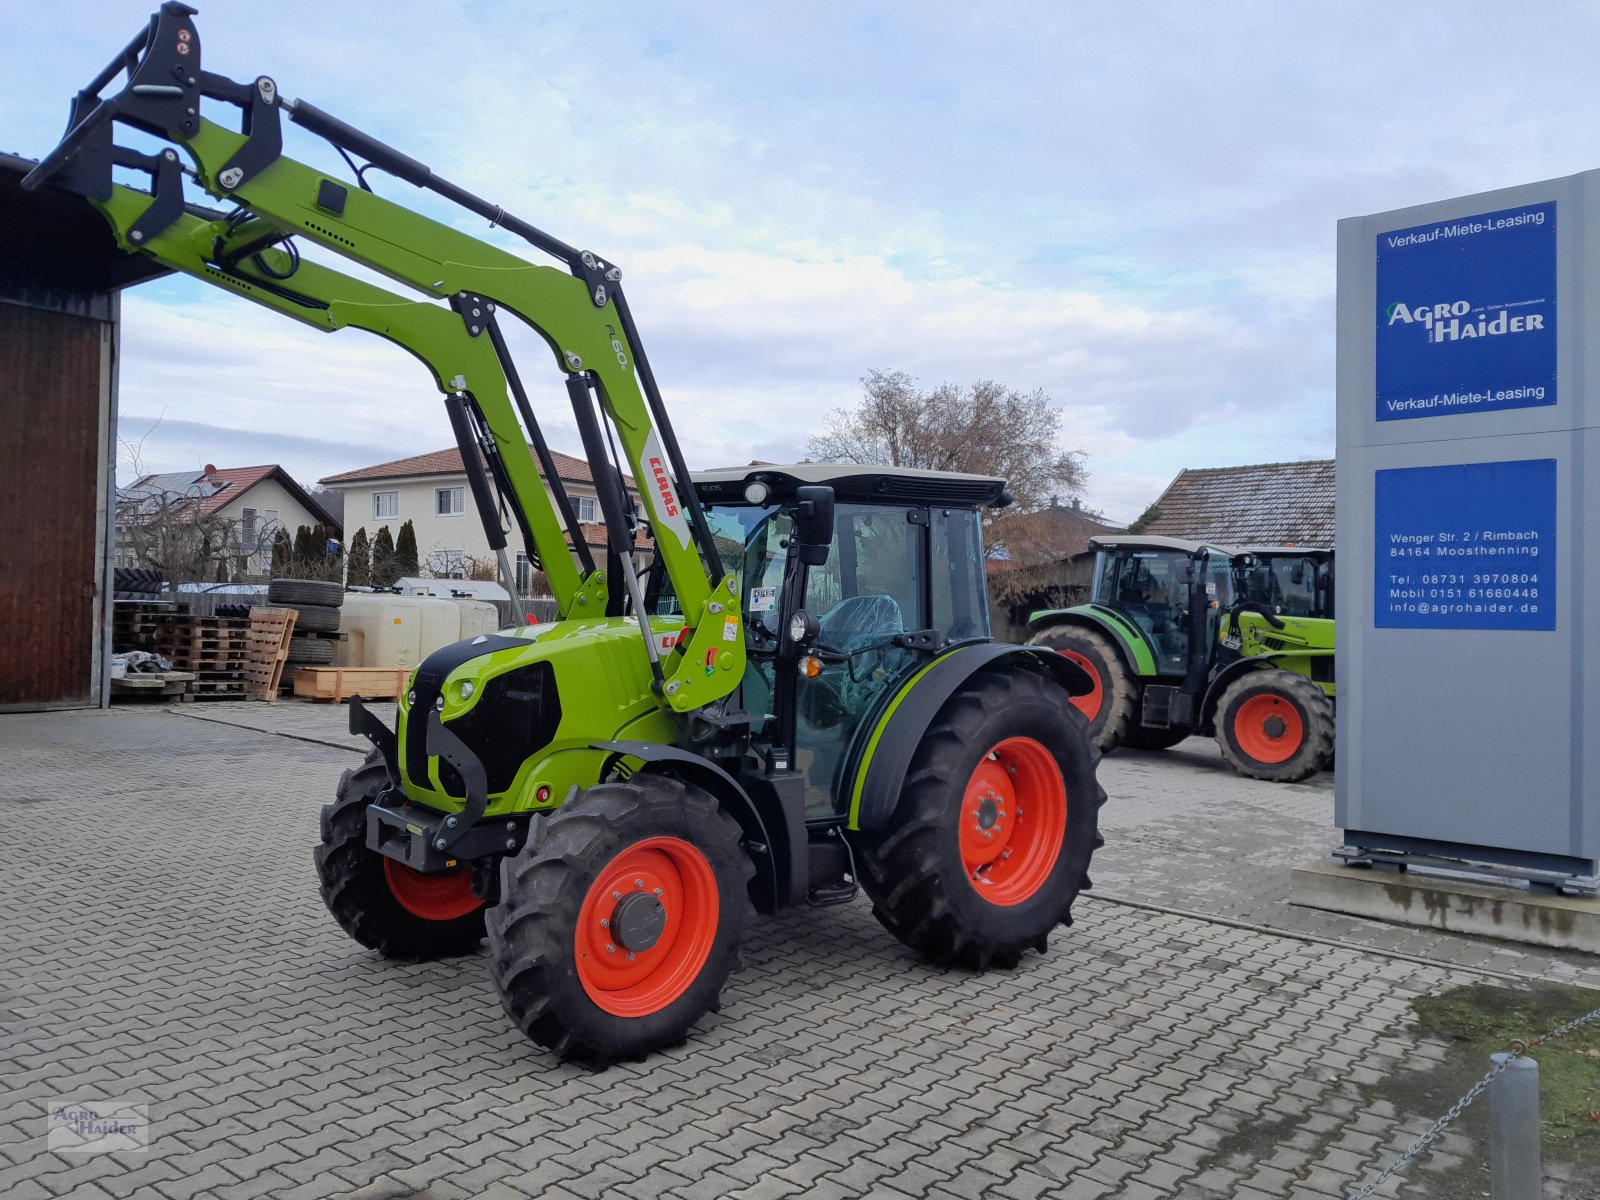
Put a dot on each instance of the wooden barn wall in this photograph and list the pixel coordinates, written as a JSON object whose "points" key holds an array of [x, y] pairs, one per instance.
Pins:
{"points": [[54, 427]]}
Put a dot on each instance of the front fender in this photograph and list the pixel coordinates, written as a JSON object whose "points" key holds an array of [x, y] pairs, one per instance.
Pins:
{"points": [[893, 742]]}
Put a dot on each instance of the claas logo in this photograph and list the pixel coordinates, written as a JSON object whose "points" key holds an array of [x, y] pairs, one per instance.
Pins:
{"points": [[664, 486]]}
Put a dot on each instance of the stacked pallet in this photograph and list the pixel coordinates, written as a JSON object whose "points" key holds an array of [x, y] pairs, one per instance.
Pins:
{"points": [[134, 626], [214, 648], [268, 642]]}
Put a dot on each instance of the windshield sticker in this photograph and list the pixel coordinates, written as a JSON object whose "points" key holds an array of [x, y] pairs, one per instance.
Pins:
{"points": [[763, 599]]}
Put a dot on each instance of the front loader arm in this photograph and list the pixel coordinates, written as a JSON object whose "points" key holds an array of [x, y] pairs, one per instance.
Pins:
{"points": [[326, 299], [580, 313]]}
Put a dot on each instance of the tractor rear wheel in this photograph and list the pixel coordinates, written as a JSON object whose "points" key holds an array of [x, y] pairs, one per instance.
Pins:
{"points": [[1275, 725], [997, 821], [620, 919], [1109, 707], [1142, 737], [383, 904]]}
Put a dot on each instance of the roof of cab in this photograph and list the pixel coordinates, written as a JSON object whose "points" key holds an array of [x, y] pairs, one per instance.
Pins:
{"points": [[852, 481], [1152, 542]]}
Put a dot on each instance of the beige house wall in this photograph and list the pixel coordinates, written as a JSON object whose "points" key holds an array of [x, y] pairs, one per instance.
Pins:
{"points": [[441, 540]]}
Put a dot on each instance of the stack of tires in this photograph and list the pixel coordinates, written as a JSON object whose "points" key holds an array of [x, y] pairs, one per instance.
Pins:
{"points": [[139, 585], [317, 601]]}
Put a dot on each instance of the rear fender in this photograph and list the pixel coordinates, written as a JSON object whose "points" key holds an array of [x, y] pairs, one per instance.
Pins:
{"points": [[889, 750], [1127, 637]]}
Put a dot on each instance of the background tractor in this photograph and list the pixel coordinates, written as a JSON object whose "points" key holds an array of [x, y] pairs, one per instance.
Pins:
{"points": [[796, 698], [1181, 638]]}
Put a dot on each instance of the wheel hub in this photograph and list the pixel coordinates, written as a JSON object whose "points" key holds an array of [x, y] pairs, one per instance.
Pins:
{"points": [[988, 812], [637, 921], [1274, 727]]}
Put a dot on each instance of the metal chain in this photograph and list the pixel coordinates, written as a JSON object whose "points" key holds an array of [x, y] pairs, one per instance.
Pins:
{"points": [[1517, 1050]]}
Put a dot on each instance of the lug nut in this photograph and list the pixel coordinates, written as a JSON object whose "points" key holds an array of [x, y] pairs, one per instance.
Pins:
{"points": [[605, 922], [638, 883], [611, 949], [658, 891], [616, 895], [630, 957]]}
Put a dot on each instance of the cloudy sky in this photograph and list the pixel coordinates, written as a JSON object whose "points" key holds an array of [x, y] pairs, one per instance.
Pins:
{"points": [[1131, 206]]}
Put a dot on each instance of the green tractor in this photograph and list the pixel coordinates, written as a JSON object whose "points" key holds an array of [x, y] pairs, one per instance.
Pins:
{"points": [[1181, 638], [797, 697], [1298, 580]]}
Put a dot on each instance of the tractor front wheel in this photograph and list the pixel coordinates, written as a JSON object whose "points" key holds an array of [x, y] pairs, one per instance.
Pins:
{"points": [[1275, 725], [997, 821], [1108, 707], [620, 919], [383, 904]]}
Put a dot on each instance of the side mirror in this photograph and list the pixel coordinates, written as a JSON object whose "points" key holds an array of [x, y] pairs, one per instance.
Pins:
{"points": [[1298, 575], [813, 523]]}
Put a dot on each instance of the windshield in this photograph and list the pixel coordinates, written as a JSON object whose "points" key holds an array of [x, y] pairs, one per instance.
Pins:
{"points": [[1150, 587], [1288, 585]]}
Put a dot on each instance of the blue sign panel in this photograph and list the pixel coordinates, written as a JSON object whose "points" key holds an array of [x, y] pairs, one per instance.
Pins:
{"points": [[1467, 315], [1468, 547]]}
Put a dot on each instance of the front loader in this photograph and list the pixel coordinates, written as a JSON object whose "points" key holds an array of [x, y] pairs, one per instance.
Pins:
{"points": [[798, 697], [1183, 638]]}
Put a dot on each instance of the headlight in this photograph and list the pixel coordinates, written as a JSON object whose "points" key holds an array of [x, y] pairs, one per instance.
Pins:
{"points": [[467, 689], [802, 627], [757, 492]]}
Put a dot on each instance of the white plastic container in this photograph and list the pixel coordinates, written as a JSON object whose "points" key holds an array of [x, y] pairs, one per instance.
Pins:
{"points": [[385, 630], [477, 616]]}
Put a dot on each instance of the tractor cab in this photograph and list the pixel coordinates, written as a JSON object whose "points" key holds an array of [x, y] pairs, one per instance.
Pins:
{"points": [[1171, 589], [830, 642], [1295, 581]]}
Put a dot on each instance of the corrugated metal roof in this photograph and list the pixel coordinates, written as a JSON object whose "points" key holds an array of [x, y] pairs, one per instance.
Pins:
{"points": [[1288, 503]]}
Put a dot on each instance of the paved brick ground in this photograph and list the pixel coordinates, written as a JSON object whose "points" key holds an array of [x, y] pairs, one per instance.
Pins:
{"points": [[164, 942]]}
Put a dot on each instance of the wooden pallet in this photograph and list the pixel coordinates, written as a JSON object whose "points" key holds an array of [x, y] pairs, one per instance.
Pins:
{"points": [[334, 685], [270, 631], [214, 688], [153, 685]]}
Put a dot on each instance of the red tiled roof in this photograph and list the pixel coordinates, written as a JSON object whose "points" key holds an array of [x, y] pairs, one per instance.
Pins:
{"points": [[448, 462], [236, 481], [230, 483], [595, 535], [1276, 504]]}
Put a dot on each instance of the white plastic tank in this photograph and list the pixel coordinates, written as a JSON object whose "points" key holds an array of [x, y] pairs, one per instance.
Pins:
{"points": [[477, 616], [385, 630]]}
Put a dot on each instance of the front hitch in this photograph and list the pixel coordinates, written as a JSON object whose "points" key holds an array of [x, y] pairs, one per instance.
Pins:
{"points": [[365, 723], [420, 837]]}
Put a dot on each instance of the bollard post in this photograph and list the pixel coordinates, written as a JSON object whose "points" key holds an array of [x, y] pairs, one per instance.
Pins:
{"points": [[1515, 1170]]}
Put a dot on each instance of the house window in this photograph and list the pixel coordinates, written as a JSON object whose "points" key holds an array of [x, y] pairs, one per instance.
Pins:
{"points": [[385, 504], [524, 573], [447, 502], [586, 509]]}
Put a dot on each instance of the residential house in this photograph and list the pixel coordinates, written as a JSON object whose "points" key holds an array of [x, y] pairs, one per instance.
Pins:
{"points": [[431, 491], [1269, 504], [193, 523]]}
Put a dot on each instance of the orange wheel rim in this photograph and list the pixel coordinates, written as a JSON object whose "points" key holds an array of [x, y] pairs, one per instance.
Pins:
{"points": [[1013, 820], [1089, 704], [1268, 728], [431, 897], [646, 926]]}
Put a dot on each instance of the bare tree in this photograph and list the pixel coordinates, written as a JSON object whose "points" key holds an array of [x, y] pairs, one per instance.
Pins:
{"points": [[985, 428]]}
